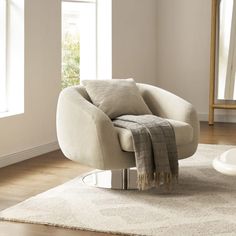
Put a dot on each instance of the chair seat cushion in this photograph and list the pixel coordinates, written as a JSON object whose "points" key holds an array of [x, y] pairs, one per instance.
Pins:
{"points": [[183, 135]]}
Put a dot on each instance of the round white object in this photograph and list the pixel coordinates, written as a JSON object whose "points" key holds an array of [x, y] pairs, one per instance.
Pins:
{"points": [[226, 162]]}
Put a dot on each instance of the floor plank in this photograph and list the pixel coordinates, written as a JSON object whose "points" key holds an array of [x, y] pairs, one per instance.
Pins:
{"points": [[23, 180]]}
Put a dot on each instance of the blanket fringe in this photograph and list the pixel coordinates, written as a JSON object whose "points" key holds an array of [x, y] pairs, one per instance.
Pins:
{"points": [[146, 181]]}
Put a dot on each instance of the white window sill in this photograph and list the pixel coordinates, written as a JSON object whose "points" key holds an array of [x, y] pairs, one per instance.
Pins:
{"points": [[10, 113]]}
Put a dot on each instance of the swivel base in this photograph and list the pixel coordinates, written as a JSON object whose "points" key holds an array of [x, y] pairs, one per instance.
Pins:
{"points": [[112, 179]]}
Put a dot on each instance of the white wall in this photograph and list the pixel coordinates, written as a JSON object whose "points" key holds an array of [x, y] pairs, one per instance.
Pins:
{"points": [[183, 49], [134, 34], [36, 127], [183, 52], [165, 43]]}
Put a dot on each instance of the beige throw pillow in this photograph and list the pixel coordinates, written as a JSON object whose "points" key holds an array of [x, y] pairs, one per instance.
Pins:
{"points": [[116, 97]]}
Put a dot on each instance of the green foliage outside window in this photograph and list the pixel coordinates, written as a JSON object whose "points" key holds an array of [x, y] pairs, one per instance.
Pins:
{"points": [[70, 60]]}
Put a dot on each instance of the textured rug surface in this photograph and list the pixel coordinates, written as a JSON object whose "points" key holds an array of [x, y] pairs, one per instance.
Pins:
{"points": [[203, 203]]}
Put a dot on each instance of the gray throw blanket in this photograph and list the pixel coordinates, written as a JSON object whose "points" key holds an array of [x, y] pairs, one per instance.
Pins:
{"points": [[155, 149]]}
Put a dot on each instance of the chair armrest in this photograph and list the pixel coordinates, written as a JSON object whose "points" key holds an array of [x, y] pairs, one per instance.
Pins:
{"points": [[85, 133], [167, 105]]}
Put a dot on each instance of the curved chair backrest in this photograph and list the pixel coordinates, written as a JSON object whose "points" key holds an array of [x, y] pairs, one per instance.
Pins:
{"points": [[143, 88], [155, 98], [87, 135]]}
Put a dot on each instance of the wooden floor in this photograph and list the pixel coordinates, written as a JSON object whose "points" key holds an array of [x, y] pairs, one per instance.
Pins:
{"points": [[220, 133], [23, 180]]}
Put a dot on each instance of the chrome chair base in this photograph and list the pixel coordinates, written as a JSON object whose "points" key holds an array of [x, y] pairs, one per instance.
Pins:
{"points": [[112, 179]]}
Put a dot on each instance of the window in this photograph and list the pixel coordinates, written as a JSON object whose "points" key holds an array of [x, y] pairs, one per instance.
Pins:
{"points": [[86, 40], [3, 47], [79, 44], [11, 57]]}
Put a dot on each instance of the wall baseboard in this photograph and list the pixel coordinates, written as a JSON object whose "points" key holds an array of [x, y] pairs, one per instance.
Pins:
{"points": [[231, 118], [27, 154]]}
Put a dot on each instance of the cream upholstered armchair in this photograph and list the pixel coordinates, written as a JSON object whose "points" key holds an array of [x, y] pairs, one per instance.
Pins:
{"points": [[86, 134]]}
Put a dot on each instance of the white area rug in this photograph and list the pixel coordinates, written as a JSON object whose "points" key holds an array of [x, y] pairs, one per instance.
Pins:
{"points": [[203, 203]]}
